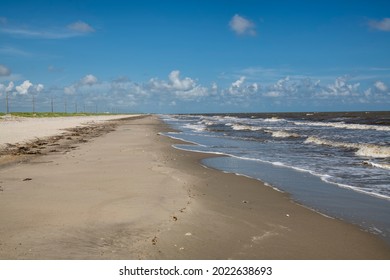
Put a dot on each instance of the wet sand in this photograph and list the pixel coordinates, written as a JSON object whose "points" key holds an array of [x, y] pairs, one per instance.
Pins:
{"points": [[128, 194]]}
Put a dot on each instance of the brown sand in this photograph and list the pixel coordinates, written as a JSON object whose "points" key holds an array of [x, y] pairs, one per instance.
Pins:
{"points": [[129, 195]]}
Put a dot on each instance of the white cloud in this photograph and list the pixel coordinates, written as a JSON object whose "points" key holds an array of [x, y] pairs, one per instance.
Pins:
{"points": [[10, 87], [340, 87], [382, 25], [239, 82], [39, 87], [214, 87], [4, 88], [80, 26], [13, 51], [177, 84], [195, 93], [272, 94], [54, 69], [36, 33], [380, 86], [24, 87], [4, 71], [282, 87], [75, 29], [173, 85], [242, 26], [255, 87], [70, 90], [88, 80], [240, 92], [186, 88]]}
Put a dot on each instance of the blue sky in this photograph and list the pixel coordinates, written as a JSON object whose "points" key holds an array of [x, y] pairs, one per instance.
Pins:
{"points": [[195, 56]]}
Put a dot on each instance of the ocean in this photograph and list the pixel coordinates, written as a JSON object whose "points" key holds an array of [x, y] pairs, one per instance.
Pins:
{"points": [[337, 164]]}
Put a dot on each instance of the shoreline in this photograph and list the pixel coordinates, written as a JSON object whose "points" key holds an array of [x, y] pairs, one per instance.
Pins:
{"points": [[369, 213], [128, 194]]}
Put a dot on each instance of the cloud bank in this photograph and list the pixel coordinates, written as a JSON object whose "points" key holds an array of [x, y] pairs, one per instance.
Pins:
{"points": [[177, 93]]}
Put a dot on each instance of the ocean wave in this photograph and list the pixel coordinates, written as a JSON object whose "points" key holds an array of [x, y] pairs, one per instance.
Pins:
{"points": [[229, 118], [207, 122], [245, 127], [195, 127], [330, 180], [273, 119], [345, 125], [378, 165], [365, 150], [282, 134], [370, 150], [324, 177]]}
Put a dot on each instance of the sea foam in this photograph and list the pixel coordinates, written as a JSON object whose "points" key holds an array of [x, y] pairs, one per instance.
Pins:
{"points": [[364, 150]]}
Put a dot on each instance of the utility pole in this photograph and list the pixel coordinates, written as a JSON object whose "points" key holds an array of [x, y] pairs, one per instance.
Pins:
{"points": [[65, 106], [6, 101], [33, 103], [52, 105]]}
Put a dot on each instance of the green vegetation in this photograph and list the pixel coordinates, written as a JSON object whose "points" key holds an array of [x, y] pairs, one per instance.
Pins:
{"points": [[53, 115]]}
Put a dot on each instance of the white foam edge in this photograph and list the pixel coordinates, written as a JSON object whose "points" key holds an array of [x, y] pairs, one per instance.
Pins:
{"points": [[344, 125], [196, 151], [316, 211], [247, 176], [378, 165], [181, 139], [276, 189], [280, 164], [345, 186]]}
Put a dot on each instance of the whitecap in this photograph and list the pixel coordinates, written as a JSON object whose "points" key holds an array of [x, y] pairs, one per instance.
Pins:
{"points": [[245, 127], [378, 165], [365, 150], [345, 125], [282, 134]]}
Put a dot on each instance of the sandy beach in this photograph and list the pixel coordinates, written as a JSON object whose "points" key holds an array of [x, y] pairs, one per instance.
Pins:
{"points": [[19, 129], [119, 190]]}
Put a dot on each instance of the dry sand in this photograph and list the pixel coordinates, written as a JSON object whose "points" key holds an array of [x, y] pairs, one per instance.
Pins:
{"points": [[18, 129], [129, 195]]}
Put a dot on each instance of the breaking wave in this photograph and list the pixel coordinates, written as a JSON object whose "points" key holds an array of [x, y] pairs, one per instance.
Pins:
{"points": [[364, 150], [244, 127], [282, 134], [378, 165], [345, 125]]}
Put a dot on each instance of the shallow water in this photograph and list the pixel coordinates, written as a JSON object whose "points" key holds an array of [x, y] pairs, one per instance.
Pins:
{"points": [[335, 163]]}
